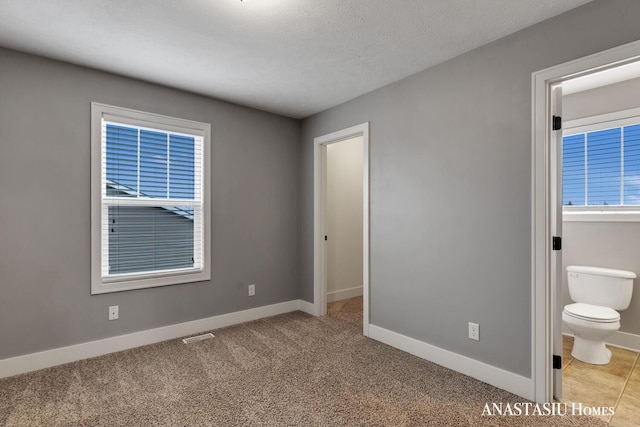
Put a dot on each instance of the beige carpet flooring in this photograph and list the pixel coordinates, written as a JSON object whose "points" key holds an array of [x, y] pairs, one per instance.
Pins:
{"points": [[288, 370]]}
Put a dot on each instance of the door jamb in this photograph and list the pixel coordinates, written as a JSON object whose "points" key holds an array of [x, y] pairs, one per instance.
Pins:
{"points": [[319, 258], [542, 283]]}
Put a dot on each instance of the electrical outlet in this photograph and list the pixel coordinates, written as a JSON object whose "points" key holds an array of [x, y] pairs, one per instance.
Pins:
{"points": [[114, 312], [252, 290], [474, 331]]}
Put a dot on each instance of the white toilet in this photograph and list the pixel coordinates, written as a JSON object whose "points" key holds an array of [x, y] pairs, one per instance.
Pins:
{"points": [[598, 293]]}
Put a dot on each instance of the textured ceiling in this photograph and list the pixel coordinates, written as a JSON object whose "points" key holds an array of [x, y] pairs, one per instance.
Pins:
{"points": [[292, 57]]}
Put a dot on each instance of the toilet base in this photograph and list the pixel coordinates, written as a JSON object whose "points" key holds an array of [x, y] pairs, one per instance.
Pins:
{"points": [[589, 351]]}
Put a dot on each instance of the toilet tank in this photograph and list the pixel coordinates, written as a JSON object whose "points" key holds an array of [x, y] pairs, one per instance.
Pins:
{"points": [[600, 286]]}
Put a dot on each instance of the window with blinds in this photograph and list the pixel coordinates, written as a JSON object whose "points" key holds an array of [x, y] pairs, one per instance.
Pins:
{"points": [[152, 199], [601, 165]]}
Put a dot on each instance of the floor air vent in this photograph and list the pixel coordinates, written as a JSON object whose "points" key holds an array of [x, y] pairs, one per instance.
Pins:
{"points": [[197, 338]]}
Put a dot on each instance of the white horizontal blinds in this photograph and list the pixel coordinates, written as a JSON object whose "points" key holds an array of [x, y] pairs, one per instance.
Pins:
{"points": [[148, 239], [573, 170], [604, 173], [121, 161], [152, 200], [602, 168]]}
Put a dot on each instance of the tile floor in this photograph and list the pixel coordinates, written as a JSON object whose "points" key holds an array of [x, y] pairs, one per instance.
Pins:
{"points": [[614, 385]]}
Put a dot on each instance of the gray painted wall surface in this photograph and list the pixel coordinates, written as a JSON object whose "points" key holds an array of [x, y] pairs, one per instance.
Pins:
{"points": [[45, 205], [451, 186], [604, 244], [606, 99]]}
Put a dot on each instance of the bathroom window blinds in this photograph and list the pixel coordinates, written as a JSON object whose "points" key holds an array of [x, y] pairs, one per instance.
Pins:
{"points": [[602, 167]]}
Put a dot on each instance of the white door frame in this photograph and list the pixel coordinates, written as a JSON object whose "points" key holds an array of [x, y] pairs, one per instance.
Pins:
{"points": [[319, 179], [544, 187], [555, 211]]}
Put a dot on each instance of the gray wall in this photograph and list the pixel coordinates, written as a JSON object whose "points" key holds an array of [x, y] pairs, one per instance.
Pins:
{"points": [[45, 207], [604, 244], [451, 186], [606, 99]]}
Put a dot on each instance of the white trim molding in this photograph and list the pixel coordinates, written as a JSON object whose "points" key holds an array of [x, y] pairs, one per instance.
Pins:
{"points": [[58, 356], [509, 381], [344, 294], [542, 189], [308, 308], [625, 340], [601, 214]]}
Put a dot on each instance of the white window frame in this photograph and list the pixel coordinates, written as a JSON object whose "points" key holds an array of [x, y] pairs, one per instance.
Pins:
{"points": [[601, 213], [122, 282]]}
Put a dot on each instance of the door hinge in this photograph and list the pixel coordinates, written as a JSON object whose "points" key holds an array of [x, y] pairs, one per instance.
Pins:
{"points": [[557, 362], [557, 123], [557, 243]]}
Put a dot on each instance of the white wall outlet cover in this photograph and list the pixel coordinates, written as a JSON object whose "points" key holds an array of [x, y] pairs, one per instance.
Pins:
{"points": [[114, 312], [474, 331], [252, 290]]}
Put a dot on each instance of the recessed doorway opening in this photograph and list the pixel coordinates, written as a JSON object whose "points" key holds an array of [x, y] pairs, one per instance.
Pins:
{"points": [[547, 213], [341, 236]]}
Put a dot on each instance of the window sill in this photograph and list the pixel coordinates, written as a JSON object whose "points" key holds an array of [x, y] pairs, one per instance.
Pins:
{"points": [[601, 216], [107, 285]]}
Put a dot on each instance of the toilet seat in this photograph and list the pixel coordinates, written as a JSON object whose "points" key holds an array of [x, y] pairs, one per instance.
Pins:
{"points": [[592, 313]]}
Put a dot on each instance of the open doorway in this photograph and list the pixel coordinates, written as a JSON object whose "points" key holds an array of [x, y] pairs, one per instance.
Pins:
{"points": [[601, 229], [341, 218], [547, 265]]}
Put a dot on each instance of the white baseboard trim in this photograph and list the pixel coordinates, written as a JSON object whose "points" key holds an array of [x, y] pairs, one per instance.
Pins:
{"points": [[625, 340], [497, 377], [622, 340], [344, 294], [58, 356], [308, 308]]}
